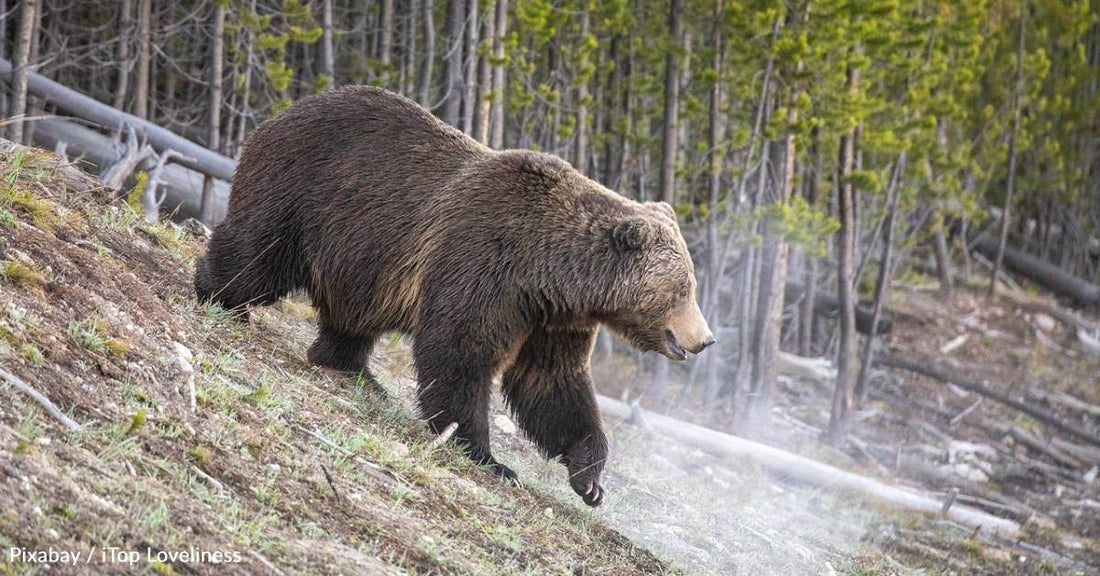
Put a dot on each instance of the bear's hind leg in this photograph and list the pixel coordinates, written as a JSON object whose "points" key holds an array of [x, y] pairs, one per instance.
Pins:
{"points": [[344, 352]]}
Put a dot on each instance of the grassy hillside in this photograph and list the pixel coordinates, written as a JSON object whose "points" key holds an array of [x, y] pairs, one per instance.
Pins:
{"points": [[294, 469]]}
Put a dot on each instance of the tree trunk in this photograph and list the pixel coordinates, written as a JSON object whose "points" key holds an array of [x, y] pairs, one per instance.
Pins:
{"points": [[329, 55], [141, 84], [714, 189], [408, 60], [1017, 95], [217, 58], [452, 97], [496, 111], [486, 71], [883, 282], [669, 144], [580, 148], [809, 272], [385, 56], [126, 32], [21, 69], [425, 89], [469, 102], [846, 353]]}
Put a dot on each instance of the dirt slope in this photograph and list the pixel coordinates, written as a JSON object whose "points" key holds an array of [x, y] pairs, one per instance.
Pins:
{"points": [[286, 468]]}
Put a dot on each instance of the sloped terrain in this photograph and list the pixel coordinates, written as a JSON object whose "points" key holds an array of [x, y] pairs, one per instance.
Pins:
{"points": [[286, 468]]}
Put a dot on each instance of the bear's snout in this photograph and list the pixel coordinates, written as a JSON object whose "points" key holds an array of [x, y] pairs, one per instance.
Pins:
{"points": [[688, 330]]}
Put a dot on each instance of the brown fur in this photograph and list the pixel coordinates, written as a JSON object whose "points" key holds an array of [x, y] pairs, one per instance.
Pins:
{"points": [[497, 263]]}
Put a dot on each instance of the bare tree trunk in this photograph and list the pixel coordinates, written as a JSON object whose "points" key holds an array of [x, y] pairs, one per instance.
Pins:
{"points": [[126, 31], [669, 144], [809, 272], [217, 58], [580, 150], [3, 54], [469, 103], [943, 258], [141, 84], [1017, 90], [496, 112], [714, 189], [425, 90], [773, 280], [883, 282], [486, 71], [452, 97], [846, 353], [21, 69], [246, 107], [329, 55], [412, 22], [386, 51]]}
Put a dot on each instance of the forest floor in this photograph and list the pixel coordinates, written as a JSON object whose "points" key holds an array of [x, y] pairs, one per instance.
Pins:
{"points": [[299, 470]]}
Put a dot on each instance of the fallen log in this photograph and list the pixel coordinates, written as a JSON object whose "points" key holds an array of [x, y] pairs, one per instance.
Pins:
{"points": [[182, 186], [200, 158], [1041, 446], [1043, 273], [1066, 400], [810, 471], [819, 369], [828, 304], [925, 368]]}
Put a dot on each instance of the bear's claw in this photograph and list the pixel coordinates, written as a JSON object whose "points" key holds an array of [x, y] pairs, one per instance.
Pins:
{"points": [[590, 491]]}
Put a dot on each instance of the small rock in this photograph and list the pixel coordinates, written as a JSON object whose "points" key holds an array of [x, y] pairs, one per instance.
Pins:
{"points": [[1045, 323], [52, 534], [42, 441], [549, 512], [399, 448], [505, 424]]}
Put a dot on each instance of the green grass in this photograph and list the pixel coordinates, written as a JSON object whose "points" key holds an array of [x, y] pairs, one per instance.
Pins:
{"points": [[22, 275], [92, 335]]}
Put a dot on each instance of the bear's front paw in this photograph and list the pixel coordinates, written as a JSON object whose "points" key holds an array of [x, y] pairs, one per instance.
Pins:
{"points": [[486, 460], [585, 462]]}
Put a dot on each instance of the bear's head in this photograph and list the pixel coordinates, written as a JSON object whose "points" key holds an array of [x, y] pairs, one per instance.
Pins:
{"points": [[654, 305]]}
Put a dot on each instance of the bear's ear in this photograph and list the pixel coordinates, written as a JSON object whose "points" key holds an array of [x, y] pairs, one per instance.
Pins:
{"points": [[630, 234]]}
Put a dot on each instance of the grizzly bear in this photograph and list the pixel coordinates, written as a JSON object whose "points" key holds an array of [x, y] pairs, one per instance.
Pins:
{"points": [[498, 264]]}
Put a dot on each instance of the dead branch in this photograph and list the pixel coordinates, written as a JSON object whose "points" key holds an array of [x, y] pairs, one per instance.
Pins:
{"points": [[267, 563], [208, 478], [1083, 453], [42, 401], [955, 421], [150, 202], [132, 152], [1066, 400], [443, 436], [1036, 444], [944, 375], [331, 482]]}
